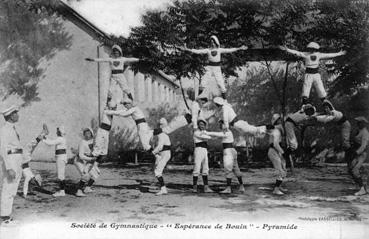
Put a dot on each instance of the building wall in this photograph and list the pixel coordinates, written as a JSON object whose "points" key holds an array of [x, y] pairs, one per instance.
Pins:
{"points": [[68, 93]]}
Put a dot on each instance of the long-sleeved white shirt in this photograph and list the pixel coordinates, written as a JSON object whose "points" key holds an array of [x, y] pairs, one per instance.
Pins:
{"points": [[84, 150], [163, 139], [116, 63], [214, 55], [9, 140], [59, 142], [200, 136], [135, 112], [362, 138], [228, 114], [334, 116], [227, 137], [312, 59]]}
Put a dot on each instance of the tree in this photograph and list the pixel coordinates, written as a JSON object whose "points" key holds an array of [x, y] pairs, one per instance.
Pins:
{"points": [[29, 33]]}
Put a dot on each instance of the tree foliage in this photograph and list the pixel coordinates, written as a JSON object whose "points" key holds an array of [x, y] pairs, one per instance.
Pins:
{"points": [[335, 25], [29, 34]]}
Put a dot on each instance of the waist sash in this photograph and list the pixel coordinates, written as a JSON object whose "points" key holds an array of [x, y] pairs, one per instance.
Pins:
{"points": [[227, 145], [117, 72], [165, 148], [312, 70], [15, 151], [201, 145], [105, 126], [211, 63], [139, 121], [60, 151]]}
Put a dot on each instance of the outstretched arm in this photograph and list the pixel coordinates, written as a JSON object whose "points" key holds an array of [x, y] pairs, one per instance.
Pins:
{"points": [[52, 142], [293, 52], [201, 135], [98, 59], [231, 50], [216, 134], [195, 51], [131, 59], [331, 55]]}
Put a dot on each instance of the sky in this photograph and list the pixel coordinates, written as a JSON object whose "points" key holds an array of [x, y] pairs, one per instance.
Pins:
{"points": [[115, 16]]}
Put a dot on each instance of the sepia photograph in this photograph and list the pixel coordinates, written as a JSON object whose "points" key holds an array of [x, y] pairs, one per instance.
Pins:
{"points": [[184, 119]]}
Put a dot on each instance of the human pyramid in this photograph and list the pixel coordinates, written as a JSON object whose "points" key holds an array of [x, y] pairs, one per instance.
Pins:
{"points": [[93, 148]]}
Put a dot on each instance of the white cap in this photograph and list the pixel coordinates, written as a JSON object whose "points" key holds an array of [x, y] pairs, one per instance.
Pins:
{"points": [[218, 101], [117, 48], [10, 110], [88, 129], [313, 45], [215, 39], [361, 119], [275, 117], [163, 122], [61, 129]]}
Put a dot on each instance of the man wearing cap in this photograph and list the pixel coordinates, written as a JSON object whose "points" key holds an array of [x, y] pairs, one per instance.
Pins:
{"points": [[230, 162], [358, 153], [117, 63], [312, 77], [162, 156], [333, 116], [11, 159], [276, 152], [214, 64], [230, 119], [296, 121], [200, 139], [84, 162], [61, 158], [144, 132]]}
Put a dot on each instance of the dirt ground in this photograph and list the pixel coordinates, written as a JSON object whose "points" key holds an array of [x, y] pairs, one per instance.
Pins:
{"points": [[318, 201]]}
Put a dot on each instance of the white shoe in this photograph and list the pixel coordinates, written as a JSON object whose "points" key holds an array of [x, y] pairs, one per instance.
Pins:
{"points": [[60, 193], [277, 191], [88, 190], [361, 192], [226, 190], [241, 189], [80, 193], [194, 189], [163, 190], [207, 189]]}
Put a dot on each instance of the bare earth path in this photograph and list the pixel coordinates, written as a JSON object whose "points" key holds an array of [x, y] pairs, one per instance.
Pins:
{"points": [[317, 203]]}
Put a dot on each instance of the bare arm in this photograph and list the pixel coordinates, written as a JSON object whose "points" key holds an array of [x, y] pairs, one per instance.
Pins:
{"points": [[231, 50], [293, 52], [3, 150], [331, 55], [216, 134], [201, 135], [131, 59], [276, 134], [195, 51], [99, 59]]}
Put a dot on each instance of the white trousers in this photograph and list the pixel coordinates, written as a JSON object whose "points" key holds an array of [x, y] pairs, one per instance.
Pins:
{"points": [[101, 144], [230, 163], [160, 162], [316, 80], [9, 187], [246, 128], [145, 134], [28, 175], [61, 162], [118, 87], [278, 163], [87, 170], [201, 161], [290, 135]]}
